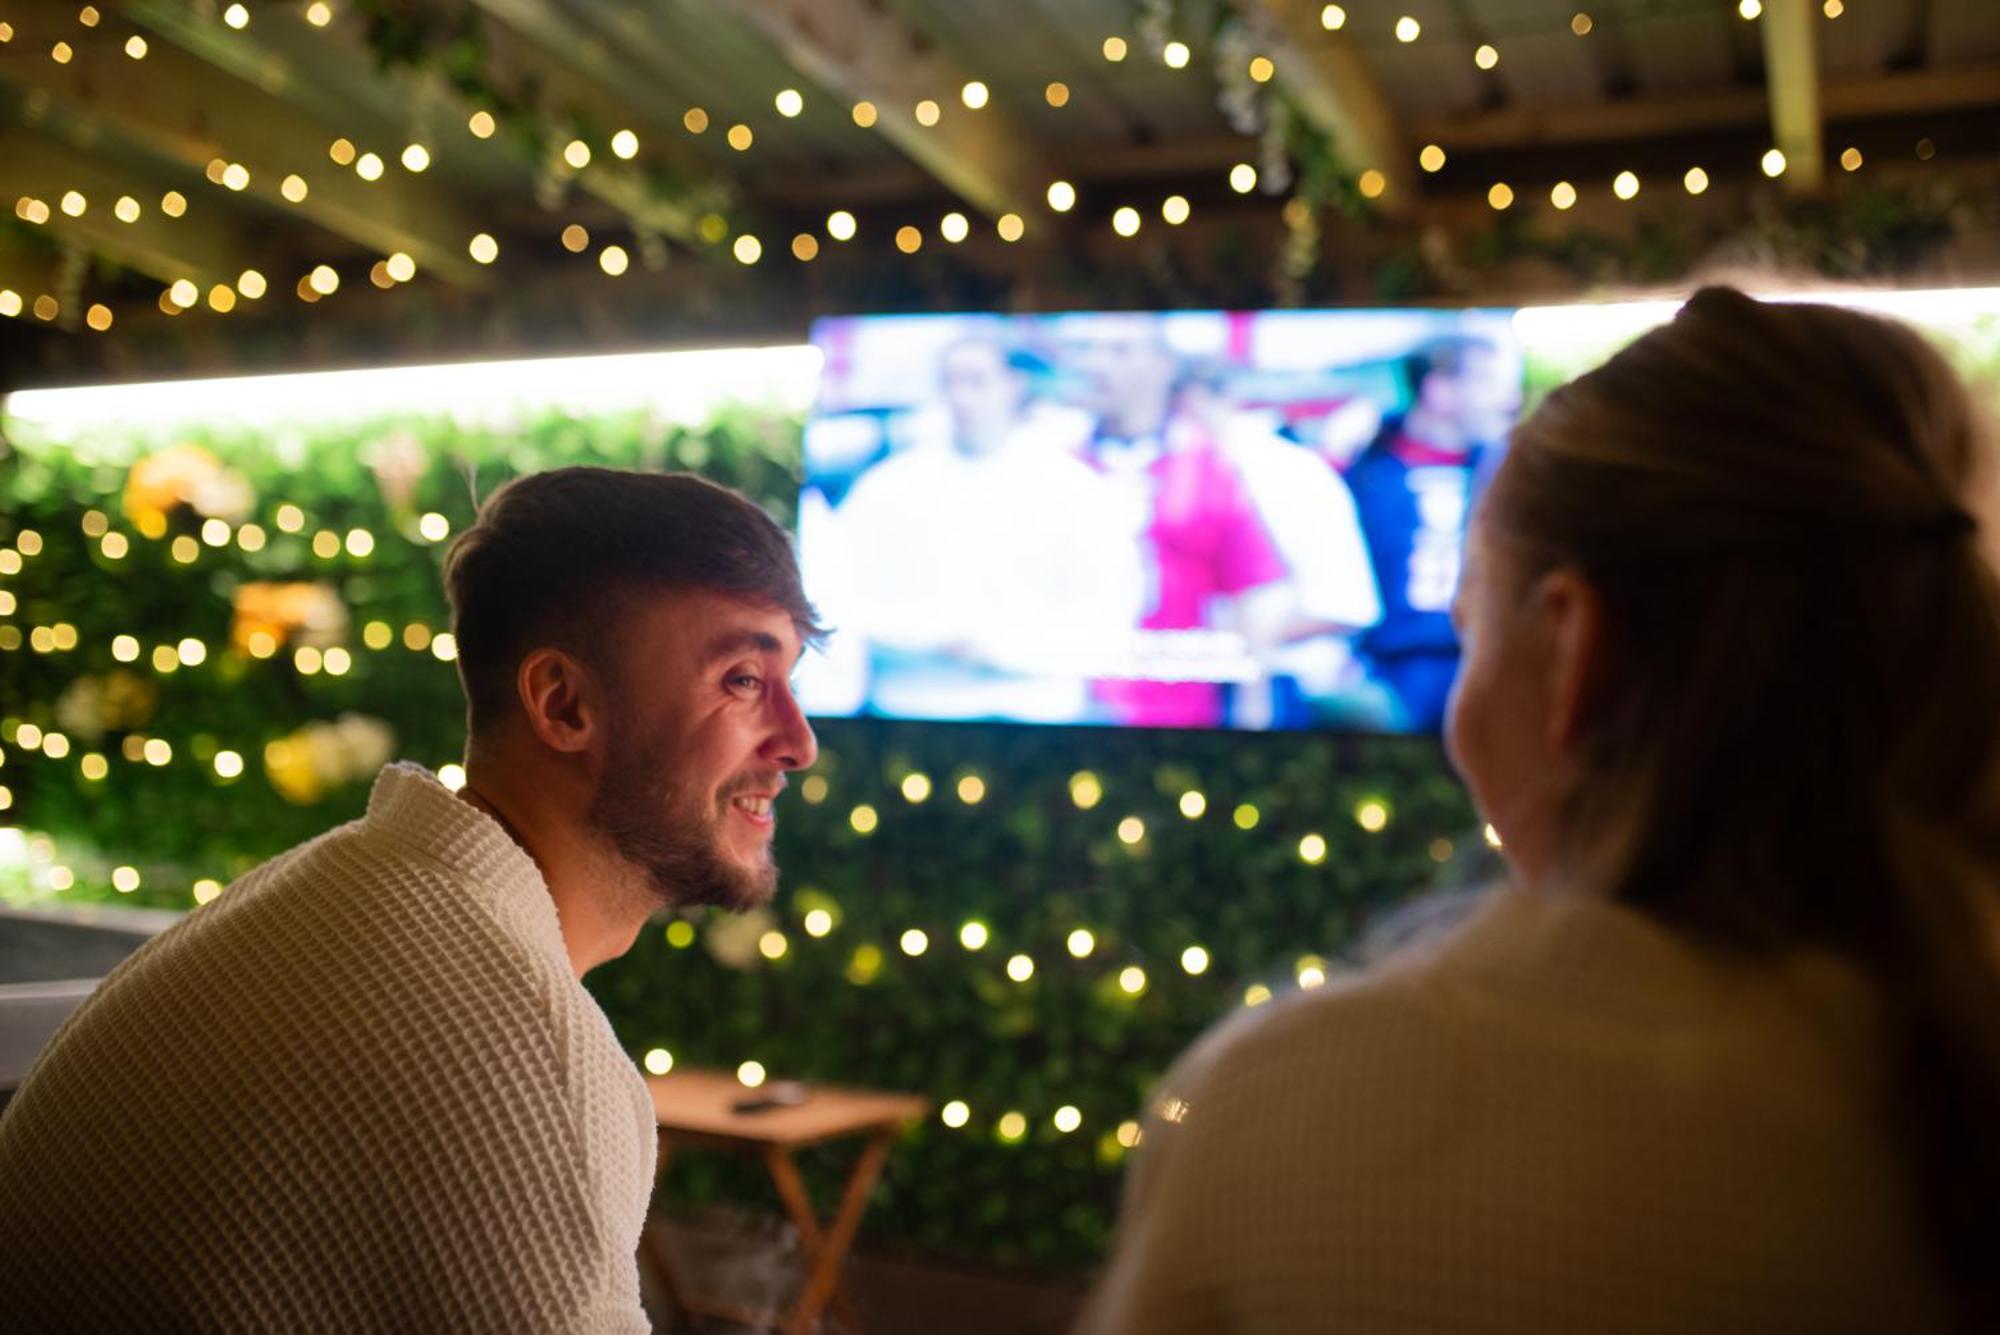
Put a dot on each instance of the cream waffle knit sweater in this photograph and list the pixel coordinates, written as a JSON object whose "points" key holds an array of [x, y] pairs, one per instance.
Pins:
{"points": [[360, 1091], [1561, 1119]]}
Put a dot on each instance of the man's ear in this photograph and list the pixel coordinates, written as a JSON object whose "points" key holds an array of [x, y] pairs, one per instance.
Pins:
{"points": [[560, 698], [1571, 611]]}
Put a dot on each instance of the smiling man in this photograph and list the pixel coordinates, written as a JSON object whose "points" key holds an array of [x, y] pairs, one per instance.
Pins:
{"points": [[365, 1088]]}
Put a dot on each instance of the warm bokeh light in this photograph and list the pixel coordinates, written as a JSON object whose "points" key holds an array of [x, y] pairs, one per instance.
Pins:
{"points": [[1408, 29], [1625, 185], [840, 225], [1243, 178], [789, 102], [1501, 195], [1061, 196], [1562, 194], [1695, 181], [1431, 158], [954, 227], [1125, 221], [975, 95], [1010, 227]]}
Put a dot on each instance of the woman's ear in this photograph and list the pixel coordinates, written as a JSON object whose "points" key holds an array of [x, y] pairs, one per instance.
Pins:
{"points": [[559, 696], [1571, 612]]}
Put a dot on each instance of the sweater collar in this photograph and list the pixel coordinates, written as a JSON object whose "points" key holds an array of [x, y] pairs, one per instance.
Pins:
{"points": [[409, 805]]}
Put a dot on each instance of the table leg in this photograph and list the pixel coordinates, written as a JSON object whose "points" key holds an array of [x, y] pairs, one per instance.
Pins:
{"points": [[798, 1205], [830, 1254]]}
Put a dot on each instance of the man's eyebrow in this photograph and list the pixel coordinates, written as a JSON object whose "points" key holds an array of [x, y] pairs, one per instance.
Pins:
{"points": [[731, 643]]}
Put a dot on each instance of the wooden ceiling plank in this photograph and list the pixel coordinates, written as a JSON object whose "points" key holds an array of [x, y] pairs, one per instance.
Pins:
{"points": [[1791, 78], [1329, 78], [862, 51], [183, 110]]}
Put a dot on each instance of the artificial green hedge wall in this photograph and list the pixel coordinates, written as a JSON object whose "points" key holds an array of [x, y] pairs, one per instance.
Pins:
{"points": [[1026, 861]]}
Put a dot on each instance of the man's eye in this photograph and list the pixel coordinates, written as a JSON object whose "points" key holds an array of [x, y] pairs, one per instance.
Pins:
{"points": [[748, 681]]}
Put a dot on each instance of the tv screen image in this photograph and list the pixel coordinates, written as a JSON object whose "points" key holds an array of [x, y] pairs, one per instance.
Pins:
{"points": [[1191, 519]]}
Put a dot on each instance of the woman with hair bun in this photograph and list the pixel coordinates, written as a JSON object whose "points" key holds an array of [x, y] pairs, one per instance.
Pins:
{"points": [[1724, 1054]]}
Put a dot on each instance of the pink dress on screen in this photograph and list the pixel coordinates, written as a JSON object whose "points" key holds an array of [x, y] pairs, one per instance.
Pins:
{"points": [[1202, 540]]}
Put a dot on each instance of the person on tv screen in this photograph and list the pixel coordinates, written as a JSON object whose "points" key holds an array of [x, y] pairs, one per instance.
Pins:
{"points": [[1414, 486], [983, 561], [1211, 564], [1311, 676]]}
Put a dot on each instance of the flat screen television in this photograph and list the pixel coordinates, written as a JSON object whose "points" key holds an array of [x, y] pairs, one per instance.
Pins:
{"points": [[1195, 519]]}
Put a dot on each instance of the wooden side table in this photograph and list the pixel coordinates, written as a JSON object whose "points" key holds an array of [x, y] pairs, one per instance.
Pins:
{"points": [[695, 1111]]}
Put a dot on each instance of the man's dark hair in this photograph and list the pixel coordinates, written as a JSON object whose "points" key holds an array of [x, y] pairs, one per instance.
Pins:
{"points": [[554, 559], [1446, 354]]}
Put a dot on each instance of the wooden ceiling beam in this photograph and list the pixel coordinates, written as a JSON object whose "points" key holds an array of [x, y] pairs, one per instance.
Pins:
{"points": [[538, 41], [1791, 79], [862, 51], [205, 248], [1960, 89], [1329, 79], [182, 110]]}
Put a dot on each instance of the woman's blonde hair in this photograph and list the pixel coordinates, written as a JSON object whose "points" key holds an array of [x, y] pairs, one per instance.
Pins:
{"points": [[1799, 741]]}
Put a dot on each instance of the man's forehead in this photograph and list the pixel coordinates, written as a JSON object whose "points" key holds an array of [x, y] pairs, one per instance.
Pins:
{"points": [[704, 623]]}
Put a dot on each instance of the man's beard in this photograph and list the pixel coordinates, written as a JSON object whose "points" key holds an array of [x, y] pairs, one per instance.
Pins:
{"points": [[674, 836]]}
